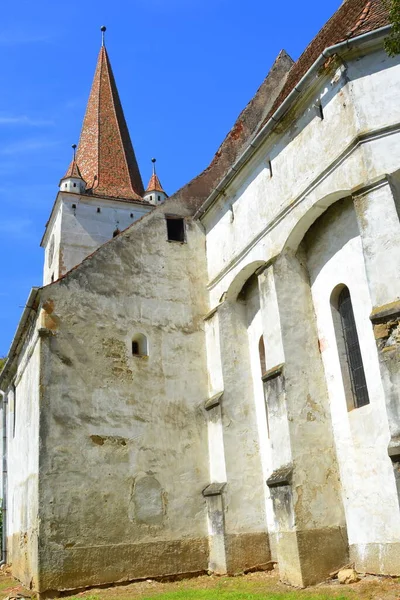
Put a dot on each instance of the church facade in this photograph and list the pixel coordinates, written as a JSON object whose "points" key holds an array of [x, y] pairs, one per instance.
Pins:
{"points": [[210, 381]]}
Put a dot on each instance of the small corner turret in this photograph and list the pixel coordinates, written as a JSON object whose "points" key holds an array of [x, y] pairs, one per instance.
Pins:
{"points": [[155, 193], [73, 181]]}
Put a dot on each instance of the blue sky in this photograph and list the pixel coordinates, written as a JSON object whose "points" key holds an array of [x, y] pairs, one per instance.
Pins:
{"points": [[184, 70]]}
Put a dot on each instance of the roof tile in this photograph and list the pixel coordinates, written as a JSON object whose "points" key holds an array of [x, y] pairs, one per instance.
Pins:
{"points": [[105, 153]]}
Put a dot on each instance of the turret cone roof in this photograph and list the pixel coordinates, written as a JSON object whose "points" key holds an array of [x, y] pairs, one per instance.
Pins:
{"points": [[73, 171], [105, 153], [155, 184]]}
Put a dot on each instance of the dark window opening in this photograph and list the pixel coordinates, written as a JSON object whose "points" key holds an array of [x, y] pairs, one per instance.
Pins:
{"points": [[270, 168], [176, 229], [15, 409], [159, 198], [131, 215], [98, 210], [261, 351], [52, 278], [353, 351], [74, 206], [135, 348], [319, 110], [116, 232], [74, 184]]}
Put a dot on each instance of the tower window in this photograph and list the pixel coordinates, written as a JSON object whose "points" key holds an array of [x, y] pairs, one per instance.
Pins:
{"points": [[74, 184], [131, 215], [350, 353], [159, 198], [98, 209], [116, 232], [175, 229], [74, 206]]}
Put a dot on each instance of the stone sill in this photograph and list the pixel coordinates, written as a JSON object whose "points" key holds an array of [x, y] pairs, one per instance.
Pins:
{"points": [[273, 373], [214, 489], [214, 401], [386, 312]]}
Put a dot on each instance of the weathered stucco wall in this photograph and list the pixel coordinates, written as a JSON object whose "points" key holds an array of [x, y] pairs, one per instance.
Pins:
{"points": [[335, 257], [22, 407], [256, 214], [124, 457], [259, 221]]}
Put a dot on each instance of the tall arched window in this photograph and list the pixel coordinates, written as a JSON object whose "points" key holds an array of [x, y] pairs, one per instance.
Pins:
{"points": [[352, 349]]}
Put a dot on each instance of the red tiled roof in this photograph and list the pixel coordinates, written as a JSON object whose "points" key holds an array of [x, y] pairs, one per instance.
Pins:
{"points": [[353, 18], [73, 170], [105, 153], [154, 184]]}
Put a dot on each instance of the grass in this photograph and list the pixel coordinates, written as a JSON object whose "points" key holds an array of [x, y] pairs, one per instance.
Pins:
{"points": [[232, 595], [218, 594]]}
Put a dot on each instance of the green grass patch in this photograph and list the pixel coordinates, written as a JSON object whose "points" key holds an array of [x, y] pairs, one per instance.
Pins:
{"points": [[218, 594]]}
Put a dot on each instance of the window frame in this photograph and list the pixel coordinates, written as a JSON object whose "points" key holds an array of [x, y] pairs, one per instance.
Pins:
{"points": [[349, 350]]}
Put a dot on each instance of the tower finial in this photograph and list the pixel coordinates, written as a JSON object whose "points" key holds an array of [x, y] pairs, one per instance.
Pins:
{"points": [[103, 29], [74, 150], [153, 160]]}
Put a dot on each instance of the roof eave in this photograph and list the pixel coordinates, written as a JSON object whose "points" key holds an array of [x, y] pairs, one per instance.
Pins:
{"points": [[31, 304], [284, 107]]}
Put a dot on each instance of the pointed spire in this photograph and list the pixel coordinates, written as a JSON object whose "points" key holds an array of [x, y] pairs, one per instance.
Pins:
{"points": [[154, 184], [105, 153]]}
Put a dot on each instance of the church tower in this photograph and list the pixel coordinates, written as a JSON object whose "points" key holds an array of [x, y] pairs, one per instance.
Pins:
{"points": [[102, 191]]}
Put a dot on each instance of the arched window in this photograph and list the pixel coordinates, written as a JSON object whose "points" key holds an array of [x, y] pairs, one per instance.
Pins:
{"points": [[261, 351], [349, 349], [140, 345]]}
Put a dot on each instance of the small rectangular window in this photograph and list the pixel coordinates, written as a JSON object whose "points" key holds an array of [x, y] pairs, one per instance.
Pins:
{"points": [[175, 229]]}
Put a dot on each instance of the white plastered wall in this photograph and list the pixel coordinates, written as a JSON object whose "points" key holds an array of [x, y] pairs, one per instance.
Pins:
{"points": [[370, 500], [254, 332], [81, 225], [23, 464]]}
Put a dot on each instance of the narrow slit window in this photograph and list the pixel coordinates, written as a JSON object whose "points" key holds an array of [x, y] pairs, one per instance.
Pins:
{"points": [[352, 349], [175, 229], [261, 351], [15, 409], [135, 348]]}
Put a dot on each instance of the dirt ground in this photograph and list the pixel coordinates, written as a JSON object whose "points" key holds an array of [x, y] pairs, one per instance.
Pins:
{"points": [[265, 583]]}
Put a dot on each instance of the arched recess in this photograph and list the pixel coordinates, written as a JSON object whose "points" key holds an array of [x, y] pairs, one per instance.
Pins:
{"points": [[298, 232], [140, 345], [241, 278]]}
